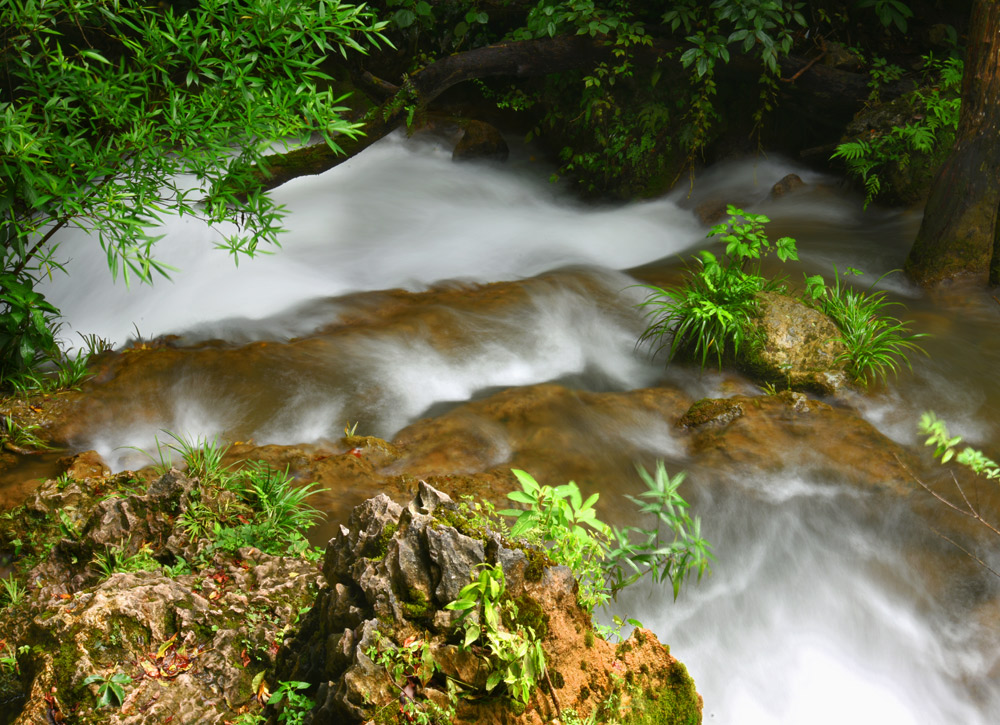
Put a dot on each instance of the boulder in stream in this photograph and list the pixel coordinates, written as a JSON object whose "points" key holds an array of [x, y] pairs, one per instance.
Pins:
{"points": [[797, 346]]}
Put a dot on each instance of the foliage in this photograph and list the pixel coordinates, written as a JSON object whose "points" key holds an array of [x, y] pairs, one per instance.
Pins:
{"points": [[115, 115], [283, 506], [973, 459], [26, 326], [935, 115], [13, 591], [711, 312], [264, 508], [111, 690], [21, 435], [889, 12], [877, 343], [297, 705], [603, 559], [606, 559], [945, 445], [114, 559], [409, 665], [516, 655]]}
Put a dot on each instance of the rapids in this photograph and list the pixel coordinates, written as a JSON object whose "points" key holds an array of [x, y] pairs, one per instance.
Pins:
{"points": [[828, 604]]}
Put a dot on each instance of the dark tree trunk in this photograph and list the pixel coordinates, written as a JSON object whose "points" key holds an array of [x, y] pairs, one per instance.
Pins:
{"points": [[958, 235]]}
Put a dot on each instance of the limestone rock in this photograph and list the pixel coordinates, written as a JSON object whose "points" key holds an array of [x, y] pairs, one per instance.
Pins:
{"points": [[395, 594], [800, 346], [787, 184]]}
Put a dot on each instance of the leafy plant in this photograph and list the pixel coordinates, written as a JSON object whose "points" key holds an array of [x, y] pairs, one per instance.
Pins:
{"points": [[21, 435], [297, 705], [945, 448], [111, 690], [113, 559], [517, 658], [889, 12], [877, 343], [13, 591], [934, 117], [409, 665], [606, 559], [116, 115], [711, 312], [975, 460], [272, 493]]}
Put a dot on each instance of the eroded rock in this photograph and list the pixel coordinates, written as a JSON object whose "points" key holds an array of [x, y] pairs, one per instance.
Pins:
{"points": [[399, 589]]}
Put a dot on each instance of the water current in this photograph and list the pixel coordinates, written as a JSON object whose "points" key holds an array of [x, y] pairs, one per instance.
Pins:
{"points": [[828, 603]]}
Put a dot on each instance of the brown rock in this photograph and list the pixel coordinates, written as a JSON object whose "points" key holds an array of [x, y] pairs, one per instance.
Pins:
{"points": [[800, 346], [788, 183], [480, 141]]}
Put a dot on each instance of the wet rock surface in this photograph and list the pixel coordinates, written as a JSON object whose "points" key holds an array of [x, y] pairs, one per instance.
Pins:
{"points": [[800, 346]]}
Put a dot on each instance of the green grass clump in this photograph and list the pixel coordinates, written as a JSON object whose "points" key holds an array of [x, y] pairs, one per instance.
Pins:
{"points": [[877, 343]]}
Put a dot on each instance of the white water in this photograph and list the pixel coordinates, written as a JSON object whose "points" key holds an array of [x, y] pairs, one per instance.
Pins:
{"points": [[818, 611]]}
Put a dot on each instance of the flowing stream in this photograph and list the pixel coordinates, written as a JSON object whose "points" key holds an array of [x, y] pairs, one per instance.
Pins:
{"points": [[828, 603]]}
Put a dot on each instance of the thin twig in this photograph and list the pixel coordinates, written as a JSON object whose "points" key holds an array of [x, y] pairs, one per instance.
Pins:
{"points": [[552, 691], [972, 513], [967, 552], [804, 68]]}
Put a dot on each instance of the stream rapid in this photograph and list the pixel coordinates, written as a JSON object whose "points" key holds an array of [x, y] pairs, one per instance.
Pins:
{"points": [[828, 603]]}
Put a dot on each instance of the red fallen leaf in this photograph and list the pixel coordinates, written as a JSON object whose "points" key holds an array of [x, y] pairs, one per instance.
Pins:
{"points": [[245, 658], [356, 452], [273, 649], [214, 595]]}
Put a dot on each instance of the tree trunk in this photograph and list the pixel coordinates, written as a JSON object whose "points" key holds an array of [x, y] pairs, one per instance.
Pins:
{"points": [[959, 233]]}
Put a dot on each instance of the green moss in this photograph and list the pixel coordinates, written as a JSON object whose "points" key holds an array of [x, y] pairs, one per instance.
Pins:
{"points": [[460, 521], [382, 543], [588, 639], [538, 562], [416, 606], [530, 614], [675, 703]]}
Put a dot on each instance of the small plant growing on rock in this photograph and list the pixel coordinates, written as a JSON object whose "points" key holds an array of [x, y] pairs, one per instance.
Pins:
{"points": [[876, 342], [711, 312], [607, 559], [297, 705], [516, 655], [111, 690]]}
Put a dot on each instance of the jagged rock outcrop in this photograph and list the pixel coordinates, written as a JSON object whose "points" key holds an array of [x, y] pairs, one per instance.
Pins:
{"points": [[391, 572]]}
